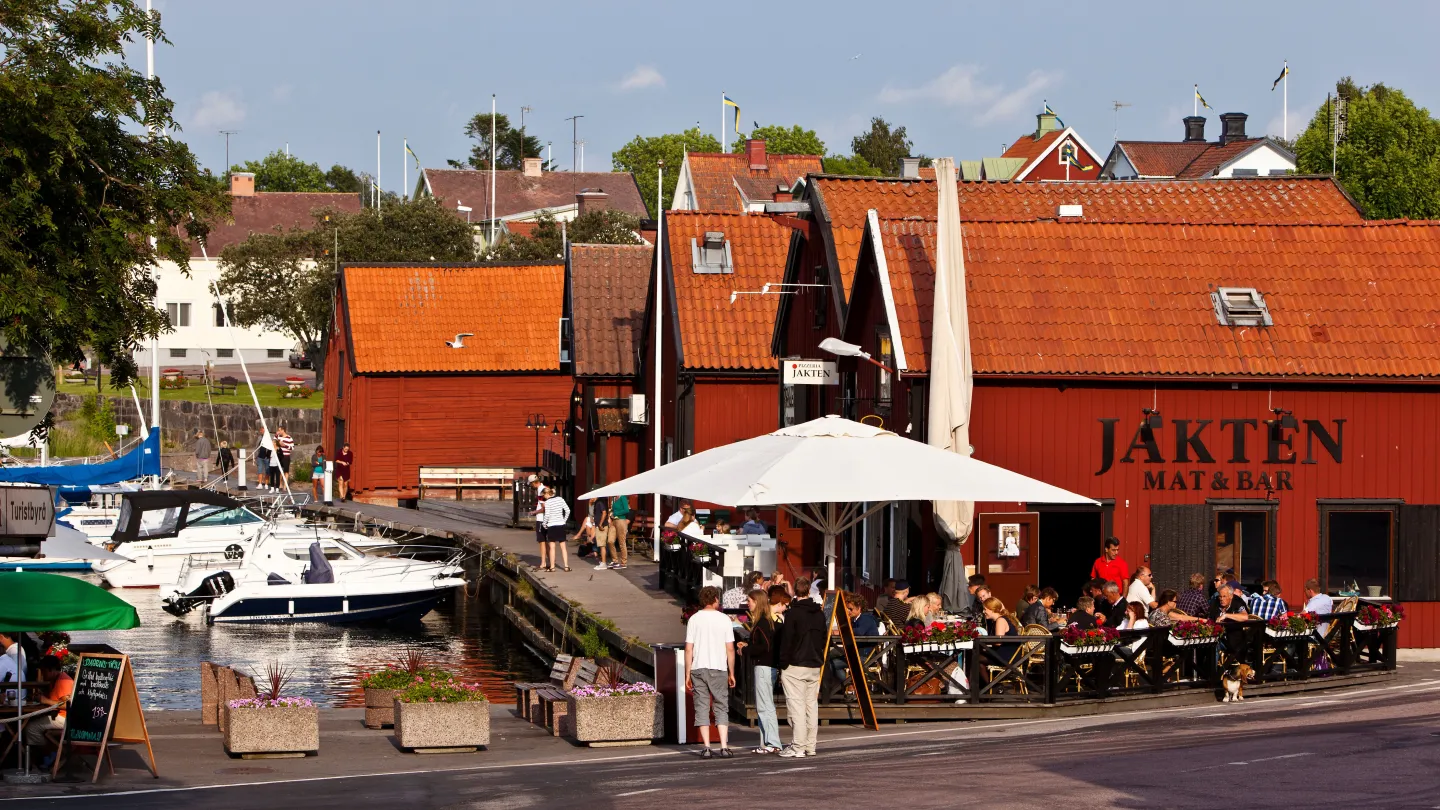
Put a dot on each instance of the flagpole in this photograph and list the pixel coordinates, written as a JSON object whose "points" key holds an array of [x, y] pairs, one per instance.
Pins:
{"points": [[379, 189], [492, 171], [1285, 104], [655, 408], [1195, 101], [404, 169], [724, 144]]}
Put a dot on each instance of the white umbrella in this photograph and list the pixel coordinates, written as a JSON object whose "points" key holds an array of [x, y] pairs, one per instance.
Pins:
{"points": [[823, 470]]}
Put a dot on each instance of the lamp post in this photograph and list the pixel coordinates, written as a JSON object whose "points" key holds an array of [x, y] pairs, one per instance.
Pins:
{"points": [[536, 422]]}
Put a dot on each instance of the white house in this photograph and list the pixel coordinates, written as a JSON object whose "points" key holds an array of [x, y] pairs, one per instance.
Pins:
{"points": [[1233, 155]]}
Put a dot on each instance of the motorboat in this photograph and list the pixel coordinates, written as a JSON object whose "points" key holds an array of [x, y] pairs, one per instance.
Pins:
{"points": [[329, 581], [161, 531]]}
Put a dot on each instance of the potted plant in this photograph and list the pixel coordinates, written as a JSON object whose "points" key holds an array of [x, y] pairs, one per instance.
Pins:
{"points": [[671, 539], [613, 712], [272, 724], [294, 383], [1290, 624], [1075, 640], [442, 716], [700, 550], [939, 637], [381, 686], [171, 374], [1192, 633], [1374, 617]]}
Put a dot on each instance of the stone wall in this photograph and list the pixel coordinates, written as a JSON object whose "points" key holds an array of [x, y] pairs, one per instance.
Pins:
{"points": [[238, 424]]}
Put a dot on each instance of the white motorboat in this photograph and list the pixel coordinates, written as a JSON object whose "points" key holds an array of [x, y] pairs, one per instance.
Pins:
{"points": [[160, 531]]}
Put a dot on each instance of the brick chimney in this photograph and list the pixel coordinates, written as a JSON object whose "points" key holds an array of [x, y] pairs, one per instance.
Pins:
{"points": [[755, 151], [909, 167], [532, 167], [782, 193], [591, 199], [1194, 129], [1232, 127], [242, 184]]}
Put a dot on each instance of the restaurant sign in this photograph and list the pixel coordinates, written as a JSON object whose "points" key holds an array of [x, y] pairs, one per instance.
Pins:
{"points": [[808, 372], [28, 512]]}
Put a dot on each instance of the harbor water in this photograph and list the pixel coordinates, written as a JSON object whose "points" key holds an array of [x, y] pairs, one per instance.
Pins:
{"points": [[325, 661]]}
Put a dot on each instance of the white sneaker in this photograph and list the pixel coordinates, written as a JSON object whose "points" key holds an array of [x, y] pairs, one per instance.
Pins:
{"points": [[601, 567], [792, 753]]}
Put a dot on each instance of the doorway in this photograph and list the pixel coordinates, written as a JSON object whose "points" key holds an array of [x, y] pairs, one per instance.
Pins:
{"points": [[1240, 543], [1070, 541]]}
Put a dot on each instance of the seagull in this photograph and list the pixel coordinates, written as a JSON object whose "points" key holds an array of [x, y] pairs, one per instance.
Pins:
{"points": [[459, 341], [853, 58]]}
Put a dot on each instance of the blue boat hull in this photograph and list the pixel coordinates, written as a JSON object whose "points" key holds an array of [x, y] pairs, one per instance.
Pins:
{"points": [[42, 565], [397, 607]]}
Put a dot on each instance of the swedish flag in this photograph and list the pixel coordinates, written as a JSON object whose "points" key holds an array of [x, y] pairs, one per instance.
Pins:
{"points": [[1285, 71], [729, 103], [1058, 119], [411, 153], [1201, 99]]}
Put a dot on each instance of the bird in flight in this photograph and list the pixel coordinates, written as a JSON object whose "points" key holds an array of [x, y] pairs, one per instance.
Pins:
{"points": [[459, 341], [853, 58]]}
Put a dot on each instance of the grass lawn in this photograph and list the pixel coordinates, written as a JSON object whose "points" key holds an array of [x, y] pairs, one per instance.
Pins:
{"points": [[269, 393]]}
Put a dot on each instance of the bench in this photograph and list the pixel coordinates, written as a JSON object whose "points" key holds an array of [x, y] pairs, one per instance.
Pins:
{"points": [[460, 479], [525, 693], [547, 704], [225, 385]]}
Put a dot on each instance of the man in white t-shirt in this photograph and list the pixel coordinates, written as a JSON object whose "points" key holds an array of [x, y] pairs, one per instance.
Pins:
{"points": [[1319, 603], [1142, 589], [710, 668], [12, 661]]}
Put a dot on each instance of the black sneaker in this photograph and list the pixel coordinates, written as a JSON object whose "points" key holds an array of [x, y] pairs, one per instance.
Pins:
{"points": [[726, 753], [707, 754]]}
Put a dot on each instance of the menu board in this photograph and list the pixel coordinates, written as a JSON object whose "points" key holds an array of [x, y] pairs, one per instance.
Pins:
{"points": [[97, 682]]}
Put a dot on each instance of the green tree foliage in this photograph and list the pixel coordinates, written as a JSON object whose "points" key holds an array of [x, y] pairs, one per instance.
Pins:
{"points": [[882, 147], [281, 172], [850, 164], [83, 187], [511, 146], [343, 179], [285, 280], [642, 155], [547, 243], [1389, 157], [784, 141]]}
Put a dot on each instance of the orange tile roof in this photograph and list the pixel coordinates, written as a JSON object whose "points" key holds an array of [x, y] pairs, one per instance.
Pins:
{"points": [[1030, 148], [844, 201], [1098, 299], [608, 287], [718, 179], [1217, 156], [1183, 159], [714, 333], [399, 317]]}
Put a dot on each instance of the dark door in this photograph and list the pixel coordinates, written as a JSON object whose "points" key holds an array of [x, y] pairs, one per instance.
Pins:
{"points": [[1006, 545], [1417, 554], [1181, 544], [1069, 543], [339, 435]]}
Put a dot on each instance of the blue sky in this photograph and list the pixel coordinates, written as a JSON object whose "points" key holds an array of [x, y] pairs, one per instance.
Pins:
{"points": [[964, 78]]}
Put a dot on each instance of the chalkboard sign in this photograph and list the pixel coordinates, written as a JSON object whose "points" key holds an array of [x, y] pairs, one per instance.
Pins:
{"points": [[104, 708], [840, 620]]}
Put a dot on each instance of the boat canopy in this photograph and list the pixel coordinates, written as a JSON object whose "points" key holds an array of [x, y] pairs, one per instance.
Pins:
{"points": [[142, 460], [162, 513]]}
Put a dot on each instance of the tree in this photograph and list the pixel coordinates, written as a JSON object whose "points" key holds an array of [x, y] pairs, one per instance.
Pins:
{"points": [[851, 165], [278, 171], [343, 179], [84, 187], [785, 141], [285, 280], [882, 147], [1388, 158], [607, 226], [511, 145], [641, 157]]}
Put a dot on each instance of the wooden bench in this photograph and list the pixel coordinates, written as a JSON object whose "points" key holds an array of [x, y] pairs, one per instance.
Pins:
{"points": [[225, 385], [460, 479], [547, 704], [525, 693]]}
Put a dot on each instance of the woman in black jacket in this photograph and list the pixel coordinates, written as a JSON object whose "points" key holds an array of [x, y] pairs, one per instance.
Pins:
{"points": [[763, 650]]}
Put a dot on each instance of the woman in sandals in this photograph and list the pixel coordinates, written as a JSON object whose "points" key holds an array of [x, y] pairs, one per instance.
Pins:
{"points": [[557, 513], [763, 649]]}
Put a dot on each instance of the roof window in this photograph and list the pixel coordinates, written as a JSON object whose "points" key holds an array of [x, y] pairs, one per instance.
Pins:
{"points": [[711, 254], [1240, 306]]}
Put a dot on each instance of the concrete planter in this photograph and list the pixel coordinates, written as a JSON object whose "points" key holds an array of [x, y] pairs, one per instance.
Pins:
{"points": [[424, 727], [273, 730], [380, 707], [618, 719]]}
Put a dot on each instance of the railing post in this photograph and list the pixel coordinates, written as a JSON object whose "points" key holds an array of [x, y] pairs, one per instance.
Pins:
{"points": [[1346, 629], [975, 669], [902, 668], [1390, 637], [1052, 668], [1155, 658]]}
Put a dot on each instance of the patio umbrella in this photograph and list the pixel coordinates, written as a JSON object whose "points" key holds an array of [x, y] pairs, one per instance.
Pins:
{"points": [[823, 470], [37, 601]]}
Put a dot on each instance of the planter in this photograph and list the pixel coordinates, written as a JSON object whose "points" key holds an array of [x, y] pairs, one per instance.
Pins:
{"points": [[1360, 628], [702, 558], [1088, 649], [272, 731], [1192, 642], [448, 727], [294, 382], [672, 546], [380, 707], [617, 720], [1273, 633], [938, 646]]}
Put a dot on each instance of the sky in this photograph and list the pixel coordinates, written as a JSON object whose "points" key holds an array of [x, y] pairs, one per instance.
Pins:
{"points": [[965, 79]]}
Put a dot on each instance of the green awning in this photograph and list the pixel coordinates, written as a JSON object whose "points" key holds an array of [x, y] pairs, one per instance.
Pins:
{"points": [[32, 601]]}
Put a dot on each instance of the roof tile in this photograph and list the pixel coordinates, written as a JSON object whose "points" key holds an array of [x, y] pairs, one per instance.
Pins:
{"points": [[516, 194], [718, 179], [608, 286], [268, 210]]}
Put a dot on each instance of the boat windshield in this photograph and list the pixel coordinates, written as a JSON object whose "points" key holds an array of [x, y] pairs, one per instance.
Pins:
{"points": [[209, 515]]}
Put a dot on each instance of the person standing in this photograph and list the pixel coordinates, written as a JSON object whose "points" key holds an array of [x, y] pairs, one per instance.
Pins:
{"points": [[317, 472], [556, 514], [802, 653], [710, 668], [202, 457], [762, 650], [262, 465], [284, 448], [12, 661], [226, 460], [343, 461], [620, 528], [1109, 566], [538, 510]]}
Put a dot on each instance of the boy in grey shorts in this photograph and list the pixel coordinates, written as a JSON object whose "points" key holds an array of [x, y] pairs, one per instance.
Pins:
{"points": [[710, 668]]}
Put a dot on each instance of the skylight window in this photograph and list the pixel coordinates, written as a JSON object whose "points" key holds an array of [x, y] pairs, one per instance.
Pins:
{"points": [[1241, 306], [711, 254]]}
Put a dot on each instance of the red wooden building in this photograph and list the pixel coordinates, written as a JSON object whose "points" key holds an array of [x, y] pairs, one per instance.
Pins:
{"points": [[1247, 396], [407, 392]]}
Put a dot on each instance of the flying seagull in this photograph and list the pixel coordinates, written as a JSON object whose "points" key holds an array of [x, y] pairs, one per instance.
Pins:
{"points": [[853, 58], [459, 341]]}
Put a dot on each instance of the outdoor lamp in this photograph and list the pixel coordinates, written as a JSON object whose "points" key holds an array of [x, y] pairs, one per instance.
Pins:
{"points": [[1152, 418], [840, 348]]}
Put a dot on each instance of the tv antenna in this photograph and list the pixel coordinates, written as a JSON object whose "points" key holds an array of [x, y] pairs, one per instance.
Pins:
{"points": [[227, 133], [1116, 105]]}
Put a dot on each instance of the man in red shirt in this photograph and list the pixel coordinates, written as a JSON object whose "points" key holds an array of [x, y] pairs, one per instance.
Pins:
{"points": [[61, 685], [1109, 566]]}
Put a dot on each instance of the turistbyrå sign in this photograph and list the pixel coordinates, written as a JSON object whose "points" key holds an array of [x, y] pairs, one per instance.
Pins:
{"points": [[28, 512], [808, 372]]}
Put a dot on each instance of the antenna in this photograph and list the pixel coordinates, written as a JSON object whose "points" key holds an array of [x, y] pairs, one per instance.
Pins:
{"points": [[574, 141], [1116, 105], [227, 133]]}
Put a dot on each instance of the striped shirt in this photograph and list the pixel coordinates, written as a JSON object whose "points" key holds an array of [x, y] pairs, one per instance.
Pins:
{"points": [[1266, 606], [556, 511], [285, 444]]}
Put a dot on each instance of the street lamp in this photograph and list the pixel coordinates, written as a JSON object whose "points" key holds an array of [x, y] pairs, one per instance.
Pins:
{"points": [[840, 348], [536, 422], [467, 209]]}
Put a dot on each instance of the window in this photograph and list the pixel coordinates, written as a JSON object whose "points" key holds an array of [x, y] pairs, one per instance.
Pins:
{"points": [[226, 353], [1240, 543], [1240, 306], [883, 382], [565, 341], [177, 352], [179, 314], [822, 299], [220, 516], [1357, 548], [219, 314], [711, 254], [1066, 154], [275, 354], [1245, 173]]}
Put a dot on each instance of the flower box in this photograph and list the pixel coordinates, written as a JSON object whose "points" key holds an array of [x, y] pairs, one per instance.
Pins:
{"points": [[1088, 649], [672, 546], [702, 558], [616, 719], [380, 707], [1192, 642], [255, 728], [938, 646], [424, 727], [1273, 633], [294, 382]]}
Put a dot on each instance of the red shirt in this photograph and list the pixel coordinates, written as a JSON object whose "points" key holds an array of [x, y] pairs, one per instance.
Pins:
{"points": [[1115, 570], [60, 690]]}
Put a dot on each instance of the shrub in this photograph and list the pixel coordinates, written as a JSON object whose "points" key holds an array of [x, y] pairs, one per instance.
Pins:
{"points": [[449, 692], [591, 645]]}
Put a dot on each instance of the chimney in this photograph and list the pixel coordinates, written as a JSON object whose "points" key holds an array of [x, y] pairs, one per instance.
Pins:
{"points": [[1194, 129], [1046, 122], [782, 193], [242, 184], [1232, 127], [532, 167], [591, 199], [909, 167], [755, 151]]}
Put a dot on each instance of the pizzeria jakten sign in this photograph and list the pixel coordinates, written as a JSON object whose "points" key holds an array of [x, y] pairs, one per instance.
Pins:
{"points": [[1269, 449]]}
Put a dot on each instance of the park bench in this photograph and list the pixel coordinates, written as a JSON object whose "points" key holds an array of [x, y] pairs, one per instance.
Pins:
{"points": [[460, 479], [225, 385], [547, 704]]}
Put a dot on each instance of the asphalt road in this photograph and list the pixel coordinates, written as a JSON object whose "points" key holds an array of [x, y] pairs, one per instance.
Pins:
{"points": [[1369, 747]]}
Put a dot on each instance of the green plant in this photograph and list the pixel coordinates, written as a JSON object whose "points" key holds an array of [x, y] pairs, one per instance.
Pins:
{"points": [[276, 676], [524, 589], [97, 418], [302, 474], [448, 692], [591, 644]]}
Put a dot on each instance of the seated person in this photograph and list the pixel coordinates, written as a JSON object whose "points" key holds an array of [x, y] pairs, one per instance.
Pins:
{"points": [[752, 523], [1135, 617], [862, 621], [60, 686], [976, 611], [722, 526], [1169, 612], [1083, 616], [919, 615], [1048, 598], [1112, 608], [1228, 606], [897, 607], [1028, 600]]}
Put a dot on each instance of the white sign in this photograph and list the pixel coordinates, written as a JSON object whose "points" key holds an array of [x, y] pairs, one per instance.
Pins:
{"points": [[808, 372], [29, 512]]}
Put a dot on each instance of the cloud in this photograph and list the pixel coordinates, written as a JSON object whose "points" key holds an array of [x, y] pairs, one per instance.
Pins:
{"points": [[1298, 121], [1014, 102], [218, 109], [962, 86], [283, 92], [642, 77]]}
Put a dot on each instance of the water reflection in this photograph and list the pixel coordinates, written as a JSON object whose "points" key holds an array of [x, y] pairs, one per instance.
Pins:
{"points": [[327, 660]]}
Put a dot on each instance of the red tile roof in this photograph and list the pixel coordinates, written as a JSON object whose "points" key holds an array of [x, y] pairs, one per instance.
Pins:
{"points": [[515, 193], [522, 227], [844, 201], [268, 210], [1182, 159], [719, 179], [399, 317], [1217, 156], [608, 285], [714, 333], [1104, 299], [1030, 148]]}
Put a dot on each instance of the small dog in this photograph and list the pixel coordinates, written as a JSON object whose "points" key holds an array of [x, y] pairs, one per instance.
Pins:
{"points": [[1234, 681]]}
